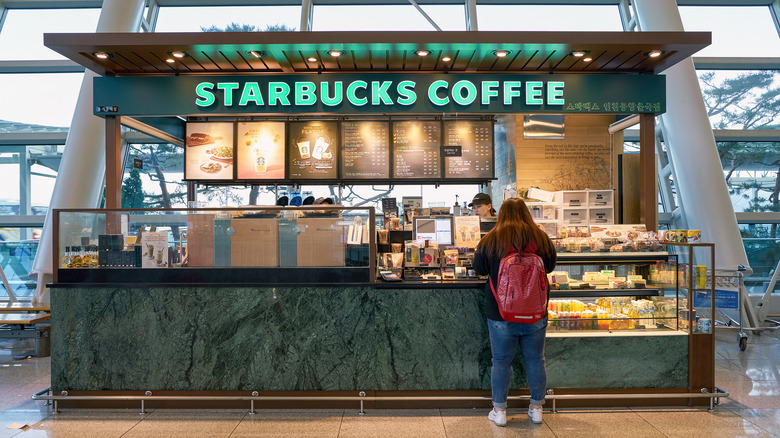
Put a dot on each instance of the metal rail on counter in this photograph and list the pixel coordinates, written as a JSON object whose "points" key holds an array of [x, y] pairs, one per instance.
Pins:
{"points": [[361, 397]]}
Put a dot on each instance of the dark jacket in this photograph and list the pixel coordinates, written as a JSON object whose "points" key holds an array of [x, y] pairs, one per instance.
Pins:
{"points": [[486, 265]]}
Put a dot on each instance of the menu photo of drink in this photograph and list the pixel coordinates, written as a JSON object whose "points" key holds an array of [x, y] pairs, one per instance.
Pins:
{"points": [[467, 231], [475, 138], [260, 150], [154, 247], [208, 151], [313, 150], [416, 149]]}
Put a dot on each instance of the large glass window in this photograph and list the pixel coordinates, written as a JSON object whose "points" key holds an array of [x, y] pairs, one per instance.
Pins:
{"points": [[751, 171], [736, 30], [256, 18], [41, 99], [742, 99], [28, 172], [549, 17], [22, 33], [387, 17], [158, 184]]}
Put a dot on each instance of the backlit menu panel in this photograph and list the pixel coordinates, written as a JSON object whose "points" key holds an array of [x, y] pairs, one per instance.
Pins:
{"points": [[312, 150], [260, 150], [208, 151], [475, 137], [416, 149], [365, 149]]}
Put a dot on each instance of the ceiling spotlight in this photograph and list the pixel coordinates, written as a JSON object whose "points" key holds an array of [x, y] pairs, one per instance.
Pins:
{"points": [[102, 55], [170, 60], [334, 53], [588, 59], [257, 53], [178, 54], [501, 53], [312, 59], [446, 59], [655, 53], [579, 53], [423, 52]]}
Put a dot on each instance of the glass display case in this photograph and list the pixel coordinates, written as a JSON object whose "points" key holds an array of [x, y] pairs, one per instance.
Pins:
{"points": [[610, 292], [247, 245]]}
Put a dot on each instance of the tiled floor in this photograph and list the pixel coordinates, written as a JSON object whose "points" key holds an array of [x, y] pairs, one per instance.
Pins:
{"points": [[752, 410]]}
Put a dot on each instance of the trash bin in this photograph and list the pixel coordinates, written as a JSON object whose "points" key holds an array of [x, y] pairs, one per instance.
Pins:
{"points": [[42, 340]]}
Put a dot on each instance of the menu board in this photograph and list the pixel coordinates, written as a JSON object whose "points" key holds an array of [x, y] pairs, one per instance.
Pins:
{"points": [[260, 150], [313, 150], [416, 149], [365, 149], [475, 138], [208, 151]]}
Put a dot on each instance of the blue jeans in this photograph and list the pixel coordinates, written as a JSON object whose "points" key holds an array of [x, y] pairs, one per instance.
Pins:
{"points": [[504, 337]]}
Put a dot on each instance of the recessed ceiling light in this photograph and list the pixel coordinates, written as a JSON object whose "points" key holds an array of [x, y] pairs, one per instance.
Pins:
{"points": [[334, 53], [588, 59], [170, 60], [579, 53], [655, 53], [102, 55], [312, 59], [423, 52], [501, 53], [178, 54], [446, 59], [257, 53]]}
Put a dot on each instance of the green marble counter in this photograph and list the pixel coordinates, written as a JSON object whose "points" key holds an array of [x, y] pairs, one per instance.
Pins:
{"points": [[318, 338]]}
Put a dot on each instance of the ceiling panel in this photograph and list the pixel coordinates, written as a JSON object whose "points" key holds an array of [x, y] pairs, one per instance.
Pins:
{"points": [[225, 52]]}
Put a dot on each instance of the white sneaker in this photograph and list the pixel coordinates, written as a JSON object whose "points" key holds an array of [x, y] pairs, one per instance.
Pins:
{"points": [[498, 417], [535, 414]]}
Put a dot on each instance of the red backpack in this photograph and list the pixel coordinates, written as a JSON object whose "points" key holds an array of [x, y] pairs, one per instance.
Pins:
{"points": [[522, 288]]}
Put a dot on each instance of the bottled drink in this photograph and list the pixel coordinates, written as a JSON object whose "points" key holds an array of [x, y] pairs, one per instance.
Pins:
{"points": [[77, 260], [67, 260], [94, 257]]}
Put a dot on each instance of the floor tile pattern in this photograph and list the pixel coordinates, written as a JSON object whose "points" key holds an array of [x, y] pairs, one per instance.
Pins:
{"points": [[752, 378]]}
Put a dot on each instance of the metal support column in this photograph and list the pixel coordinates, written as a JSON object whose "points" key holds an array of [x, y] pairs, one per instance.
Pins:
{"points": [[3, 12], [700, 184], [307, 15], [82, 169], [471, 15]]}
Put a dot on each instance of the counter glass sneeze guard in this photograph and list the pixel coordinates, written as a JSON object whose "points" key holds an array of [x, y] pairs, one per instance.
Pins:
{"points": [[242, 245]]}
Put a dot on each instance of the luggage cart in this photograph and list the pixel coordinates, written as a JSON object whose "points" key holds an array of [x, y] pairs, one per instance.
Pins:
{"points": [[730, 293]]}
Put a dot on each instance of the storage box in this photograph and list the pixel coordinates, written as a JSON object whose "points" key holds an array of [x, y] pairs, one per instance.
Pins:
{"points": [[600, 198], [575, 198], [254, 243], [200, 240], [574, 216], [602, 215], [320, 242]]}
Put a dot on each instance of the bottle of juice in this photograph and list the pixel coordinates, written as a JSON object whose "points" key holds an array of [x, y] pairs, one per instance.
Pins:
{"points": [[67, 259], [76, 256]]}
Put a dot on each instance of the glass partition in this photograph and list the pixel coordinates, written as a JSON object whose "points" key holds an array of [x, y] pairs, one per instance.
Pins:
{"points": [[319, 244]]}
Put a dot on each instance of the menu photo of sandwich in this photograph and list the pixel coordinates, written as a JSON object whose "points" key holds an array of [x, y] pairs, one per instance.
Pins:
{"points": [[209, 151]]}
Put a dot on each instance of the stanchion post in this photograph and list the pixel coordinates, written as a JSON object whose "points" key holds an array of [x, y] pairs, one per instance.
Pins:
{"points": [[252, 403], [362, 394]]}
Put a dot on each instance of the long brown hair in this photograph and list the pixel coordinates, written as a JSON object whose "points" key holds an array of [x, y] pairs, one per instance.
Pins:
{"points": [[515, 228]]}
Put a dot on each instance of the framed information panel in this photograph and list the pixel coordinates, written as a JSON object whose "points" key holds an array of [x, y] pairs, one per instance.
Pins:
{"points": [[209, 151], [260, 150], [472, 145], [416, 149], [365, 149], [312, 150]]}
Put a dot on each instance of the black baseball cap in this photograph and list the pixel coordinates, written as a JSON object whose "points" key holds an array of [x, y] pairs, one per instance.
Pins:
{"points": [[480, 199]]}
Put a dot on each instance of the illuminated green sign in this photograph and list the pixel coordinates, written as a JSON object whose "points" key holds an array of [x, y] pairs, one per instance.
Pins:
{"points": [[380, 93]]}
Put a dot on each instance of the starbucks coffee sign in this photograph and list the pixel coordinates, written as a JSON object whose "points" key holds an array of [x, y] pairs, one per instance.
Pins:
{"points": [[413, 93]]}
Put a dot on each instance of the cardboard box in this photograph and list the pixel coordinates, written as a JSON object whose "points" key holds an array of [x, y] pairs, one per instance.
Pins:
{"points": [[200, 240], [254, 243], [320, 242]]}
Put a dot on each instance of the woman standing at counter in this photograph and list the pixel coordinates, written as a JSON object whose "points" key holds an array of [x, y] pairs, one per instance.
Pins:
{"points": [[514, 230]]}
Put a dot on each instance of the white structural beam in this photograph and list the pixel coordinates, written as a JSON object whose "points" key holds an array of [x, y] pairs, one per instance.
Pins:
{"points": [[307, 15], [691, 144], [471, 15], [81, 177]]}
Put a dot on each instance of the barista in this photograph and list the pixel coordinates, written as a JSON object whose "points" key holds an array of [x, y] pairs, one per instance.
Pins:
{"points": [[483, 205]]}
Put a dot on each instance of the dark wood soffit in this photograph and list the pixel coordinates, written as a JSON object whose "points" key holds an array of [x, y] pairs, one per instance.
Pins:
{"points": [[288, 52]]}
